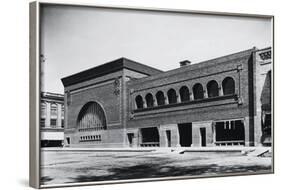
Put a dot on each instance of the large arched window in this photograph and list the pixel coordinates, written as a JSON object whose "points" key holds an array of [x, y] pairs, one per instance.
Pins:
{"points": [[184, 94], [198, 92], [172, 96], [91, 117], [213, 89], [139, 102], [228, 86], [160, 98], [149, 100]]}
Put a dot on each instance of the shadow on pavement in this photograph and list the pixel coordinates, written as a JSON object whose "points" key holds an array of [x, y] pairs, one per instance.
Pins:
{"points": [[156, 170], [45, 179]]}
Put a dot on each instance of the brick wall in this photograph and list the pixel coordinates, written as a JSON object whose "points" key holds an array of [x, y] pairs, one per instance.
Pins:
{"points": [[239, 66]]}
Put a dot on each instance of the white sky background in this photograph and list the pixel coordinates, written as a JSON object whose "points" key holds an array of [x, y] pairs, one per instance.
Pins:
{"points": [[77, 38]]}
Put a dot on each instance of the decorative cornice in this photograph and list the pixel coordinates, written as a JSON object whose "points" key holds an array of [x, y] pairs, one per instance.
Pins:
{"points": [[107, 68], [52, 129], [266, 55]]}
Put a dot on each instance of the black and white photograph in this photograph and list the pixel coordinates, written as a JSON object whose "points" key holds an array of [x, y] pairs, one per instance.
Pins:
{"points": [[135, 94]]}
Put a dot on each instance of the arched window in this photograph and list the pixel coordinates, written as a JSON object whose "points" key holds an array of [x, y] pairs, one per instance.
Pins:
{"points": [[139, 102], [213, 89], [198, 92], [184, 94], [91, 116], [228, 86], [160, 98], [149, 100], [172, 96]]}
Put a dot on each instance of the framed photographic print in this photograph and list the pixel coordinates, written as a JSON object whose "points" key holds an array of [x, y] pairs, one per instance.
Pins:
{"points": [[122, 94]]}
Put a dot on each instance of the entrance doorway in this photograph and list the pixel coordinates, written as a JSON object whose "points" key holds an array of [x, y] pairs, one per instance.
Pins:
{"points": [[168, 134], [185, 133], [130, 138], [203, 136], [68, 140]]}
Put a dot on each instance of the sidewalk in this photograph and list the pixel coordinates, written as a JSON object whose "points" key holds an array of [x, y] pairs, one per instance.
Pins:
{"points": [[163, 149]]}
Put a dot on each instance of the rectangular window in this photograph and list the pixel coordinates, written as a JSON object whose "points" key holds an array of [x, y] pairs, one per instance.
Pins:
{"points": [[62, 123], [43, 109], [53, 122], [54, 109], [230, 132], [42, 122]]}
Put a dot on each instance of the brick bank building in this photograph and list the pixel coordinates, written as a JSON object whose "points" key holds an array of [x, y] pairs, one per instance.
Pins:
{"points": [[220, 102]]}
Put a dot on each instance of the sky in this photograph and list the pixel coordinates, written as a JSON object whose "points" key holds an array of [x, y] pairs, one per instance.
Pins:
{"points": [[77, 38]]}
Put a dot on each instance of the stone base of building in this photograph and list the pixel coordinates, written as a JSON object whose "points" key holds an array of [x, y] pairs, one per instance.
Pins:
{"points": [[194, 134]]}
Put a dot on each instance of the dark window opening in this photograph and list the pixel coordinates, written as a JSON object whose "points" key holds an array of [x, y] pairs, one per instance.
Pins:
{"points": [[51, 143], [149, 100], [139, 102], [42, 122], [267, 120], [172, 96], [184, 94], [230, 131], [185, 133], [198, 91], [213, 89], [228, 86], [53, 122], [203, 136], [150, 135], [130, 138], [160, 98], [266, 123]]}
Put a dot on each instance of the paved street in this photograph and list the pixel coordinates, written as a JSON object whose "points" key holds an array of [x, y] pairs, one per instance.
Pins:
{"points": [[74, 166]]}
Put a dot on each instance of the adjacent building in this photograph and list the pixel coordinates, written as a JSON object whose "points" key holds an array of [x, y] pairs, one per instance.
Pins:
{"points": [[52, 119], [220, 102], [263, 93]]}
